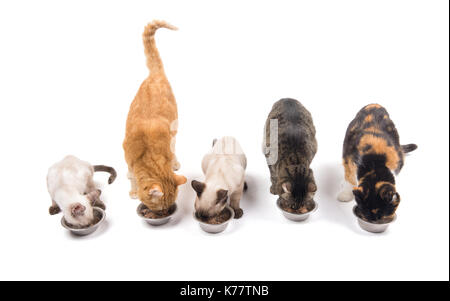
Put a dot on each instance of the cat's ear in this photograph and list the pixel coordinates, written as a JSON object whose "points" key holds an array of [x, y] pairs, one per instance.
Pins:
{"points": [[388, 194], [155, 191], [395, 199], [287, 187], [180, 180], [77, 209], [222, 196], [198, 186], [358, 193], [312, 187]]}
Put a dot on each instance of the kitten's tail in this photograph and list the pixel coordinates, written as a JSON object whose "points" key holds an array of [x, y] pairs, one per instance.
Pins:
{"points": [[409, 148], [109, 169], [154, 62]]}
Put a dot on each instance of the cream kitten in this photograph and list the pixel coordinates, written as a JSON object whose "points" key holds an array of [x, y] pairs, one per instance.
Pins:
{"points": [[72, 189], [224, 169]]}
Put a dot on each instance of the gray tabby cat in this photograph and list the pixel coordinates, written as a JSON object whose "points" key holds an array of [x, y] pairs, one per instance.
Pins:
{"points": [[290, 146]]}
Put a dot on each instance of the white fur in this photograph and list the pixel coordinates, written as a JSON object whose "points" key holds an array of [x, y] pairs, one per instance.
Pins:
{"points": [[224, 168], [67, 182], [346, 195]]}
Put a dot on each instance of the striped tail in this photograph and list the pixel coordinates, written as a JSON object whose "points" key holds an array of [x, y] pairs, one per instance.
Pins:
{"points": [[154, 62]]}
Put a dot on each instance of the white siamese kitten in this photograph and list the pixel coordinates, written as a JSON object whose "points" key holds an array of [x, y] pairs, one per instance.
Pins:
{"points": [[71, 186], [224, 169]]}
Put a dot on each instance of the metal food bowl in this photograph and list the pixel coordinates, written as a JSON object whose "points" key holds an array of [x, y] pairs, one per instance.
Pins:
{"points": [[215, 228], [155, 221], [86, 231], [373, 227], [297, 217]]}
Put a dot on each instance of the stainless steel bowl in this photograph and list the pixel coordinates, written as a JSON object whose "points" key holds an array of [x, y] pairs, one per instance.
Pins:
{"points": [[89, 230], [155, 221], [373, 227], [297, 217], [215, 228]]}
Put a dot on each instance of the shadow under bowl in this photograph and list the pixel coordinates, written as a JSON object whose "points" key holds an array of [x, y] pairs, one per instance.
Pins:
{"points": [[297, 217], [372, 227], [98, 212], [155, 221], [215, 228]]}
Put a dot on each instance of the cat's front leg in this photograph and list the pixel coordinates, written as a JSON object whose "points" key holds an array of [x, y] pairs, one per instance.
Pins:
{"points": [[235, 199], [54, 208], [274, 181], [90, 186], [94, 198], [273, 189], [175, 164], [134, 189], [96, 202], [346, 194]]}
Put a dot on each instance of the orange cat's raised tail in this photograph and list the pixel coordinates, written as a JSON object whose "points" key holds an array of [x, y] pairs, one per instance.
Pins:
{"points": [[154, 62]]}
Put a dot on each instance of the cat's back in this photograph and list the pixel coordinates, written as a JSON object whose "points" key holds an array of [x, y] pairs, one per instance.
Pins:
{"points": [[70, 171], [227, 146], [372, 114], [153, 100], [291, 113], [296, 131], [226, 151], [374, 120]]}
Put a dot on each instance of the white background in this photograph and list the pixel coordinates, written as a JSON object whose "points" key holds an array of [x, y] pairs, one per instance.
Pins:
{"points": [[69, 71]]}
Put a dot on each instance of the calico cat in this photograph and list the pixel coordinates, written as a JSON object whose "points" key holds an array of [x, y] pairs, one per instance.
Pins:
{"points": [[150, 133], [371, 154], [290, 146]]}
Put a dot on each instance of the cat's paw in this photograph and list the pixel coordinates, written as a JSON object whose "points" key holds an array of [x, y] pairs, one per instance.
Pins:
{"points": [[100, 204], [238, 213], [345, 196], [176, 165], [54, 210], [295, 206], [133, 195], [273, 190]]}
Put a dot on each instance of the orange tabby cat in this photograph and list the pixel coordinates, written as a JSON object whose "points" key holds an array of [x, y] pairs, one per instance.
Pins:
{"points": [[150, 133]]}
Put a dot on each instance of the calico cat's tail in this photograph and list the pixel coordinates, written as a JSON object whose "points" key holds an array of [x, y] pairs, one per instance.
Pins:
{"points": [[409, 148], [154, 62], [109, 169]]}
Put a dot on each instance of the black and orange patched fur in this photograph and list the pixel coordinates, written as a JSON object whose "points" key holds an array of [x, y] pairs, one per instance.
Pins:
{"points": [[372, 154]]}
